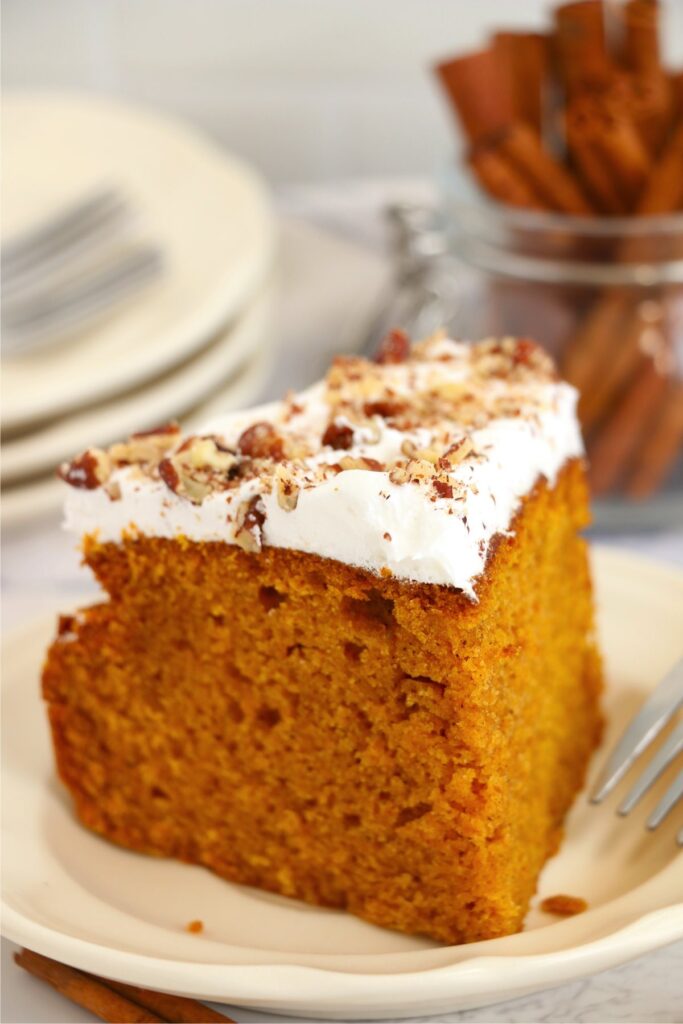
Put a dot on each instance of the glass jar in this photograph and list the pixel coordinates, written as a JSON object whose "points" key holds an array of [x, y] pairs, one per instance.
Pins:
{"points": [[605, 296]]}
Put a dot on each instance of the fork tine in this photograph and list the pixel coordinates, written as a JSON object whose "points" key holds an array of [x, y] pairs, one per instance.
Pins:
{"points": [[670, 798], [661, 760], [654, 715], [59, 231]]}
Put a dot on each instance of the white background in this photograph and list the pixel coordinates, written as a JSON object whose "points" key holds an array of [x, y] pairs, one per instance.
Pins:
{"points": [[307, 89]]}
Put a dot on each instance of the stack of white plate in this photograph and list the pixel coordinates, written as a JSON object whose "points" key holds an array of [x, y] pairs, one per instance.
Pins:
{"points": [[195, 338]]}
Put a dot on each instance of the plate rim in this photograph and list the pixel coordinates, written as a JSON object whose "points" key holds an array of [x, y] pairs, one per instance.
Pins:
{"points": [[43, 494], [309, 988], [229, 349], [220, 307]]}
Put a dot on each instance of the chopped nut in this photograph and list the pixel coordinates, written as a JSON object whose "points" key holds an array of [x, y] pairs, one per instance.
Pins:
{"points": [[261, 441], [250, 519], [169, 475], [395, 348], [338, 435], [428, 454], [113, 490], [443, 488], [360, 462], [200, 465], [457, 453], [148, 446], [421, 469], [386, 408], [88, 470], [165, 428], [207, 453], [287, 489]]}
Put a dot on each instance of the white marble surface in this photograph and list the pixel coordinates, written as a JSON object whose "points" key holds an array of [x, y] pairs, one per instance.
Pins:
{"points": [[41, 568]]}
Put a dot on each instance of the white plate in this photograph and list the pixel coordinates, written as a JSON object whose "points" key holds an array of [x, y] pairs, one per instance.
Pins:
{"points": [[209, 213], [82, 900], [20, 504], [42, 450]]}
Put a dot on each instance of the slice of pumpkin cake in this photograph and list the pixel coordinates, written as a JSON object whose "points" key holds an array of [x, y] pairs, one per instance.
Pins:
{"points": [[347, 651]]}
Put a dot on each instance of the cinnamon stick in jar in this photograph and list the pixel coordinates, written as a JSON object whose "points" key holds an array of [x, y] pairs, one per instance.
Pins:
{"points": [[500, 179], [651, 100], [524, 61], [608, 150], [660, 447], [615, 446], [554, 184], [477, 93], [580, 42]]}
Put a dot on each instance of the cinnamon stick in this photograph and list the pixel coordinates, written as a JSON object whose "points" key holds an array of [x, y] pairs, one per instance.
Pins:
{"points": [[580, 42], [114, 1000], [660, 448], [601, 135], [523, 58], [552, 183], [84, 990], [639, 339], [591, 347], [617, 442], [502, 180], [171, 1008], [651, 98], [640, 50], [663, 192], [477, 93]]}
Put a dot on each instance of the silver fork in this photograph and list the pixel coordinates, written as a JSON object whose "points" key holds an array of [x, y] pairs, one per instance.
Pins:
{"points": [[655, 714], [71, 270]]}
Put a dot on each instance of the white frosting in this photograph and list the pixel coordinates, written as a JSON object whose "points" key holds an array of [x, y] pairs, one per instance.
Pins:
{"points": [[359, 517]]}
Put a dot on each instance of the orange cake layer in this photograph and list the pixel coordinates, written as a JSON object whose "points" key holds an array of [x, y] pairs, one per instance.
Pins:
{"points": [[323, 731]]}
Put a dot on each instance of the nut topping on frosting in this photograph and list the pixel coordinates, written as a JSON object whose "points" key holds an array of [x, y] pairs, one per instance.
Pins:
{"points": [[250, 519], [88, 470], [433, 446], [261, 441], [395, 348], [422, 404]]}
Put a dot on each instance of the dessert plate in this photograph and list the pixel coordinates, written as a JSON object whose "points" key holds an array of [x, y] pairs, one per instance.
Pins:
{"points": [[79, 899], [207, 212], [23, 502], [42, 450]]}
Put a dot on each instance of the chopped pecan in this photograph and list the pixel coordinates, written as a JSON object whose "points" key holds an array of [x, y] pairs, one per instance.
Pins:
{"points": [[165, 428], [457, 453], [386, 408], [361, 462], [88, 470], [338, 435], [200, 465], [442, 488], [250, 519], [148, 446], [287, 489], [169, 475], [394, 348], [261, 441]]}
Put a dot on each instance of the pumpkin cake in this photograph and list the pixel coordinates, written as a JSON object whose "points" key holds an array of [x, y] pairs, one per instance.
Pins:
{"points": [[347, 651]]}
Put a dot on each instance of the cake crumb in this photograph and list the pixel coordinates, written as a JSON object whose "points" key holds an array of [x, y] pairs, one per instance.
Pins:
{"points": [[564, 906], [195, 927]]}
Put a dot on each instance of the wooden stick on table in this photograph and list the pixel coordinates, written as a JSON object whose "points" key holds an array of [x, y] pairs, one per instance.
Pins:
{"points": [[112, 1000]]}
